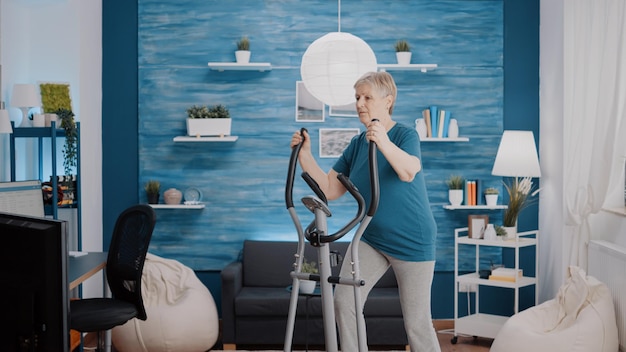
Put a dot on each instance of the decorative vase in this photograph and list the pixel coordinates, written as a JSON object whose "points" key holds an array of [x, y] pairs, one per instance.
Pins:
{"points": [[307, 286], [490, 233], [453, 129], [491, 199], [420, 127], [455, 196], [511, 232], [173, 196], [242, 56], [153, 198], [403, 57]]}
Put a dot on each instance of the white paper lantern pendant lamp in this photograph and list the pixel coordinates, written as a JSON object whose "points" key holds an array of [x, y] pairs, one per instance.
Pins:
{"points": [[332, 64]]}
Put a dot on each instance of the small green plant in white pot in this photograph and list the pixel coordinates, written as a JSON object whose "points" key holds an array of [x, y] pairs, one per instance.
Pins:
{"points": [[403, 52], [491, 196], [208, 121], [308, 286], [455, 189], [242, 54]]}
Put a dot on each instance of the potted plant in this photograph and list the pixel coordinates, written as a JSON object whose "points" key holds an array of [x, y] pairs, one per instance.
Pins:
{"points": [[242, 54], [308, 286], [491, 196], [208, 121], [519, 198], [152, 188], [403, 52], [455, 189]]}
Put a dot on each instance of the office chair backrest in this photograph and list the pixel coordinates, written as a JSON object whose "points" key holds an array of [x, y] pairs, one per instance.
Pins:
{"points": [[127, 254]]}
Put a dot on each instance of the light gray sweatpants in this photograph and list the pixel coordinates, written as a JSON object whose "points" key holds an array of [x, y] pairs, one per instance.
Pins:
{"points": [[414, 283]]}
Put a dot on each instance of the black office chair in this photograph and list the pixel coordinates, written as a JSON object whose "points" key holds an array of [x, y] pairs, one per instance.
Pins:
{"points": [[125, 260]]}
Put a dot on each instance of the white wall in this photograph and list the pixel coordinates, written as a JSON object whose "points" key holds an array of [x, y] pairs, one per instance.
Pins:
{"points": [[60, 41]]}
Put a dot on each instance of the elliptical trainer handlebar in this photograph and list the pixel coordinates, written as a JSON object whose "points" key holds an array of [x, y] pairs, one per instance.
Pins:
{"points": [[291, 173]]}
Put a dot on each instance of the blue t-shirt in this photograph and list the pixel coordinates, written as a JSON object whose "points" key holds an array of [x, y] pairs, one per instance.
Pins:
{"points": [[403, 226]]}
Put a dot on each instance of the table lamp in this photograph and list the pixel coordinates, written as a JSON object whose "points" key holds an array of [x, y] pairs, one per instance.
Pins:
{"points": [[25, 97], [517, 158], [517, 155], [5, 122]]}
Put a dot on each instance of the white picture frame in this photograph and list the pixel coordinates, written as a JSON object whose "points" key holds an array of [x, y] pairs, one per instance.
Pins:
{"points": [[347, 110], [332, 141], [308, 107]]}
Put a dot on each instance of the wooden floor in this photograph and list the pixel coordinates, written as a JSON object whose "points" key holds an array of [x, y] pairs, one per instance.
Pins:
{"points": [[445, 332]]}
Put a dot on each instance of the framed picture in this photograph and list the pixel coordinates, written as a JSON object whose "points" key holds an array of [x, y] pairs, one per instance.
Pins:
{"points": [[348, 110], [308, 107], [334, 140], [476, 225]]}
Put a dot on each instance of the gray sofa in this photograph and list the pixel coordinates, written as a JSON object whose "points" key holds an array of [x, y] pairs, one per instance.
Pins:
{"points": [[255, 300]]}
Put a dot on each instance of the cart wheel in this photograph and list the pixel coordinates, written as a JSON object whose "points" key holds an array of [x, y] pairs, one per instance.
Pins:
{"points": [[454, 340]]}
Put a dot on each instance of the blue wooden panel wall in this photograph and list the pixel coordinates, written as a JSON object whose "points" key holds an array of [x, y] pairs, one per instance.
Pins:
{"points": [[243, 182]]}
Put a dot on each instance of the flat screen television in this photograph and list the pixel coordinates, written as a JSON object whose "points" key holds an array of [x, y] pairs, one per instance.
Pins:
{"points": [[34, 302]]}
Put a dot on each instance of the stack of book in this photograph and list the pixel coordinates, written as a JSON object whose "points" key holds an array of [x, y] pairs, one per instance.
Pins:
{"points": [[473, 192], [437, 121], [506, 274]]}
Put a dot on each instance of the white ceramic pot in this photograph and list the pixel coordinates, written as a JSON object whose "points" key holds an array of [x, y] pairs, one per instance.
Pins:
{"points": [[242, 56], [511, 232], [208, 127], [307, 286], [491, 199], [403, 57], [455, 196]]}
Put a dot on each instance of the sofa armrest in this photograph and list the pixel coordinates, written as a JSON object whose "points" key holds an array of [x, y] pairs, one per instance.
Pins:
{"points": [[232, 281]]}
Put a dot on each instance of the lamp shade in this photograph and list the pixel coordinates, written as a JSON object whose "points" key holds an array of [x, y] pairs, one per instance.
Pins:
{"points": [[5, 122], [517, 155], [333, 63], [25, 96]]}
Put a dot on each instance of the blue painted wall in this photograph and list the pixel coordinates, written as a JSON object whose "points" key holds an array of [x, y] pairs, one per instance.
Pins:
{"points": [[166, 48]]}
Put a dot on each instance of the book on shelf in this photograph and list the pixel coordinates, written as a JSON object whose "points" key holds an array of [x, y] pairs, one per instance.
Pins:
{"points": [[441, 123], [446, 123], [426, 116], [506, 274], [434, 113], [479, 193]]}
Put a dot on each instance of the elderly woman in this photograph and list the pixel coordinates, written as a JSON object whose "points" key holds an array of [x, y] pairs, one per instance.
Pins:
{"points": [[402, 232]]}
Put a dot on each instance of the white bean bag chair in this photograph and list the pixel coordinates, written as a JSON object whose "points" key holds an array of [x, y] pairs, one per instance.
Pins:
{"points": [[580, 318], [182, 315]]}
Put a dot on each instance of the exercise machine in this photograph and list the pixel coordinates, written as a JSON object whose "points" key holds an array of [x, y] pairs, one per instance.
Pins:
{"points": [[317, 235]]}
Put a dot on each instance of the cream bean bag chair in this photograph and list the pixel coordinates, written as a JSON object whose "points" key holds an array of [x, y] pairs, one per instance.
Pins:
{"points": [[580, 318], [182, 316]]}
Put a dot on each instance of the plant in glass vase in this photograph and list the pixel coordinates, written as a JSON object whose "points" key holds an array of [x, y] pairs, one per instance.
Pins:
{"points": [[520, 196]]}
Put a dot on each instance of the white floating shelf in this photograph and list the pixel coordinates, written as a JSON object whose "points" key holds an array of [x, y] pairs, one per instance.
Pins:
{"points": [[233, 66], [205, 139], [178, 206], [411, 67], [458, 139], [474, 207]]}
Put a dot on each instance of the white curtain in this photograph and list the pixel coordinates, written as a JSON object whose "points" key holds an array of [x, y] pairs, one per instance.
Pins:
{"points": [[594, 113]]}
